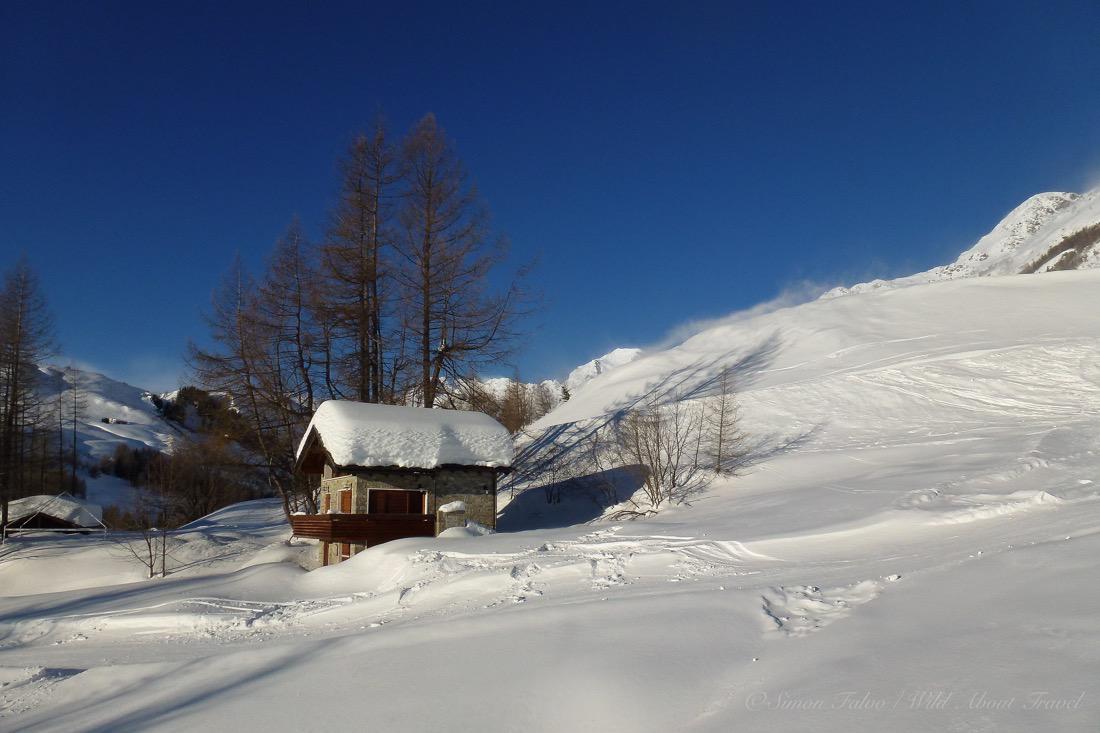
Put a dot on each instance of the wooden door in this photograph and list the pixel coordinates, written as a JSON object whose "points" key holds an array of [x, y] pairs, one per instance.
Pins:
{"points": [[387, 501]]}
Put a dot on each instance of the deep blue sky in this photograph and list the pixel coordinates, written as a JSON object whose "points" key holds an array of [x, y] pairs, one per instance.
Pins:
{"points": [[667, 162]]}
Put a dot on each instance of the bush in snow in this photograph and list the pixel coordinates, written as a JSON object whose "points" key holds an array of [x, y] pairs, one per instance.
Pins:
{"points": [[680, 445]]}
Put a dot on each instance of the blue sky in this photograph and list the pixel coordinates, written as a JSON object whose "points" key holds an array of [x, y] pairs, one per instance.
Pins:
{"points": [[664, 162]]}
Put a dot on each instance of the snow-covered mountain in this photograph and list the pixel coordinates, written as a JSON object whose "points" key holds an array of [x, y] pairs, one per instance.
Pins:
{"points": [[497, 387], [590, 370], [1047, 232], [114, 412]]}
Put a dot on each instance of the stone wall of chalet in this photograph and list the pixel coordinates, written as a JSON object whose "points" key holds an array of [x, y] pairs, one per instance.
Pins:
{"points": [[474, 486]]}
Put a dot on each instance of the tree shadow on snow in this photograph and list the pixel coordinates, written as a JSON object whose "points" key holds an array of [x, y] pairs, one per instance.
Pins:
{"points": [[173, 694], [572, 501], [693, 381], [761, 448], [565, 444]]}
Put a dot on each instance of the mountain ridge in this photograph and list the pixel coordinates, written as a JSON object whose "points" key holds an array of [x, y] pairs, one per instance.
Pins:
{"points": [[1029, 239]]}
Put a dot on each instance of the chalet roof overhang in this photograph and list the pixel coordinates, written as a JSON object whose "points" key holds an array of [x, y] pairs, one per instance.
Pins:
{"points": [[60, 521], [313, 457]]}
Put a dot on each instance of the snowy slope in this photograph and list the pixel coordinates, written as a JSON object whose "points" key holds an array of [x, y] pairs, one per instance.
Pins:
{"points": [[840, 361], [116, 412], [913, 549], [1027, 240], [497, 387], [241, 535], [590, 370]]}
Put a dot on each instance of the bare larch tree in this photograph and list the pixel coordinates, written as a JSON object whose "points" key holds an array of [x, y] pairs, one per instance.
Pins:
{"points": [[455, 323], [357, 263], [26, 339]]}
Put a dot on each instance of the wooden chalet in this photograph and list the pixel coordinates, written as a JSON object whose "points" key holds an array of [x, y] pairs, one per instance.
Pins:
{"points": [[389, 472]]}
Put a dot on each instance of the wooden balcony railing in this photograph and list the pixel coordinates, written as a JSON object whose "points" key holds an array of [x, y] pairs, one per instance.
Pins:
{"points": [[362, 529]]}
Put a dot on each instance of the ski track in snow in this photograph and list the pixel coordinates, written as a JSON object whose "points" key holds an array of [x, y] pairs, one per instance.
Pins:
{"points": [[599, 560]]}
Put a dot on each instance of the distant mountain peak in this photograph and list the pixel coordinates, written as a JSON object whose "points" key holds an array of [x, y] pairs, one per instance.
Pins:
{"points": [[1049, 231], [590, 370]]}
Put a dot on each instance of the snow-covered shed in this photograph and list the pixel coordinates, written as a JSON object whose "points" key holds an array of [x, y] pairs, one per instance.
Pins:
{"points": [[49, 512], [389, 472]]}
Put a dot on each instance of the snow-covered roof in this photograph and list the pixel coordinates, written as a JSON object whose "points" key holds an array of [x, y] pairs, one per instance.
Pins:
{"points": [[360, 434], [64, 506]]}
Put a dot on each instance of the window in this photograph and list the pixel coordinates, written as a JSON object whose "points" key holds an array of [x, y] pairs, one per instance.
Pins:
{"points": [[326, 501], [345, 501], [345, 550]]}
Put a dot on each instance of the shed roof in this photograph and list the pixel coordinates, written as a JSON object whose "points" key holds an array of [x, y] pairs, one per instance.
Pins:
{"points": [[65, 507], [361, 434]]}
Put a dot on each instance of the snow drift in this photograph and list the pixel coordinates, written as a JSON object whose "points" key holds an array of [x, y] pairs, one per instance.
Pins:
{"points": [[359, 434]]}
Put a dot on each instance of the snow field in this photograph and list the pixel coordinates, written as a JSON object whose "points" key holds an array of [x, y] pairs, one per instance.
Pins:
{"points": [[913, 548]]}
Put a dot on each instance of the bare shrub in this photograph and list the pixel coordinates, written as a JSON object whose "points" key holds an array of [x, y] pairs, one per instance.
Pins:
{"points": [[148, 549], [145, 543], [679, 446], [667, 441]]}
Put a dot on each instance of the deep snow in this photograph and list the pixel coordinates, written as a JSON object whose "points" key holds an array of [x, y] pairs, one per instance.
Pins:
{"points": [[913, 547], [358, 434]]}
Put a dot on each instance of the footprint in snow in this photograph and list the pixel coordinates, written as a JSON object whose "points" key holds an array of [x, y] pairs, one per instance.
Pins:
{"points": [[803, 609]]}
